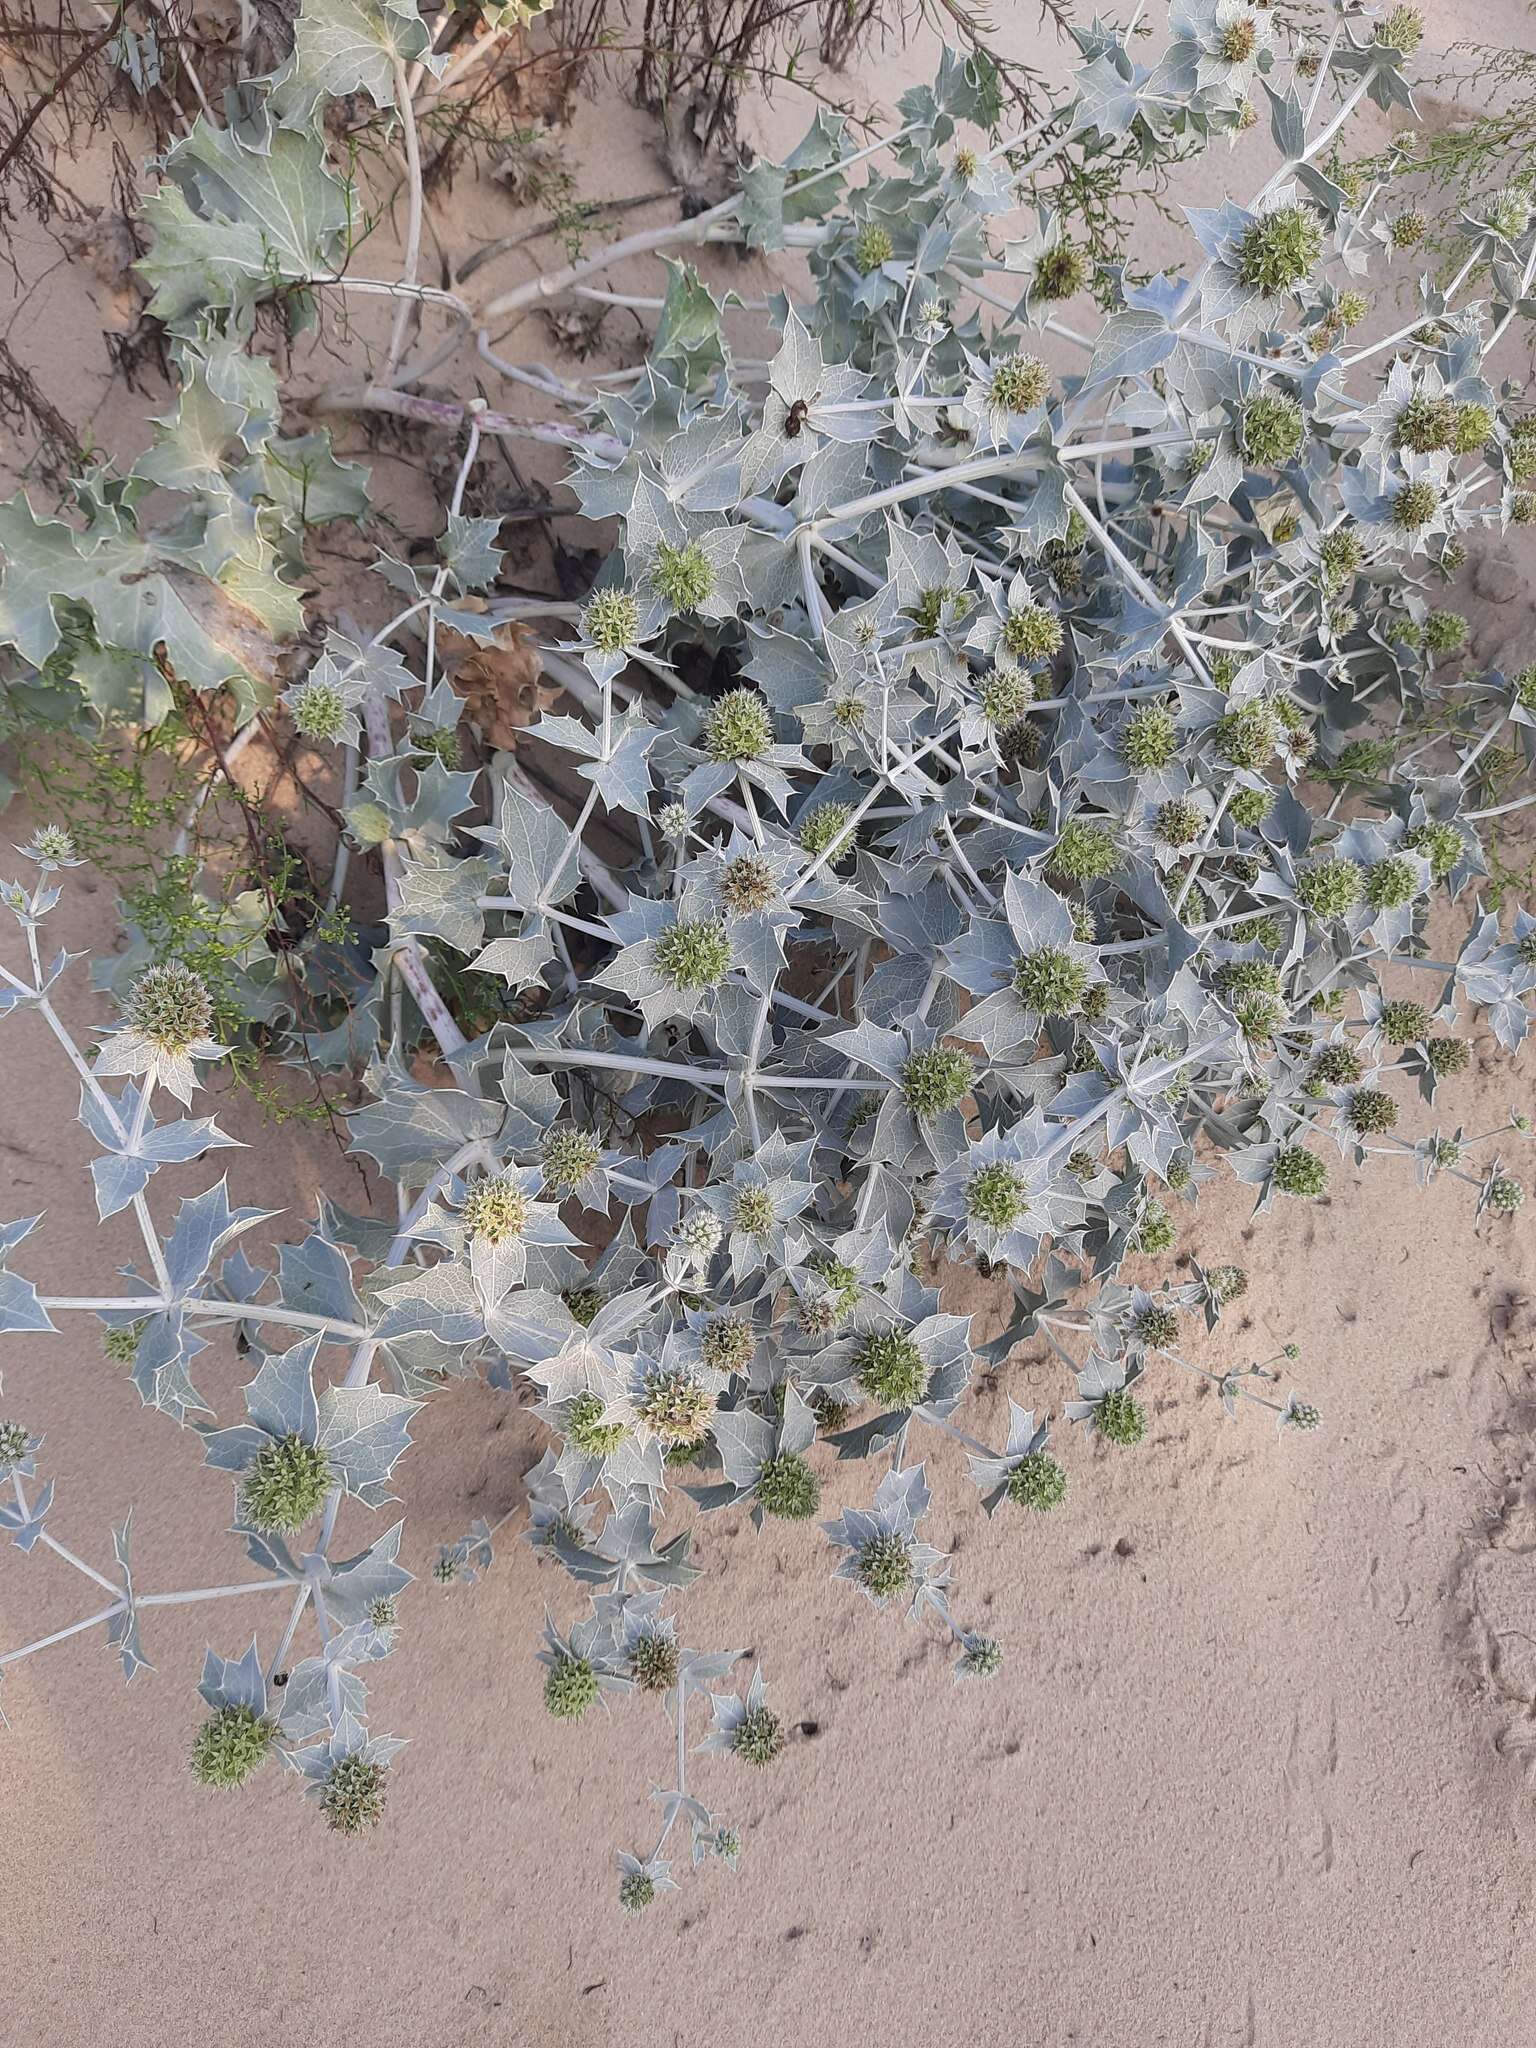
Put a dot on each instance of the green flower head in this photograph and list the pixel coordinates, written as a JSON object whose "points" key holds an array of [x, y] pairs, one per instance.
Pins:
{"points": [[14, 1439], [1247, 737], [995, 1196], [1273, 430], [569, 1156], [286, 1484], [352, 1796], [231, 1746], [170, 1006], [892, 1370], [1060, 272], [587, 1430], [494, 1210], [1051, 981], [788, 1488], [1389, 884], [1300, 1172], [1180, 821], [570, 1688], [1149, 738], [738, 727], [1415, 505], [1330, 888], [1425, 423], [872, 246], [655, 1661], [682, 575], [319, 711], [1371, 1111], [936, 1080], [1030, 633], [694, 954], [637, 1889], [1085, 852], [612, 620], [1405, 1023], [1019, 383], [1037, 1482], [759, 1738], [823, 826], [1120, 1418], [885, 1566], [1278, 250], [677, 1408]]}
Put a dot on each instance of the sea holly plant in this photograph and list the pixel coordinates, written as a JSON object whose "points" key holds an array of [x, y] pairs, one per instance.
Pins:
{"points": [[1023, 797]]}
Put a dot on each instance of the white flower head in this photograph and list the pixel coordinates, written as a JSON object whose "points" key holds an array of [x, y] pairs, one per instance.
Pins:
{"points": [[168, 1014]]}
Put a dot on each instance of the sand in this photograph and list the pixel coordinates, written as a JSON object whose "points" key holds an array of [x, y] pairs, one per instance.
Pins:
{"points": [[1255, 1772]]}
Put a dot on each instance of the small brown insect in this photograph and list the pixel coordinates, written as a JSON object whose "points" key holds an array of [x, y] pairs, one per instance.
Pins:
{"points": [[796, 417]]}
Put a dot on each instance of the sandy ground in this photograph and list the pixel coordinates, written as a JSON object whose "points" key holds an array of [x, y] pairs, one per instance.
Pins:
{"points": [[1253, 1775]]}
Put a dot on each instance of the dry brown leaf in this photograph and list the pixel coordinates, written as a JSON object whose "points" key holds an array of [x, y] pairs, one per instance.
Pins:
{"points": [[504, 686]]}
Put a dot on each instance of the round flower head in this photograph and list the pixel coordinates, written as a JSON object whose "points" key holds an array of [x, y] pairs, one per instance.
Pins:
{"points": [[1448, 1056], [1247, 737], [1030, 632], [683, 576], [1060, 272], [569, 1156], [787, 1487], [352, 1796], [1415, 505], [570, 1687], [1390, 883], [698, 1234], [1157, 1326], [759, 1737], [231, 1746], [1226, 1284], [655, 1661], [612, 620], [695, 954], [728, 1342], [1370, 1111], [1444, 632], [320, 711], [1019, 384], [14, 1443], [1337, 1066], [1408, 229], [1155, 1233], [1426, 423], [588, 1431], [1051, 980], [1085, 852], [170, 1006], [494, 1211], [936, 1080], [1149, 738], [737, 727], [1441, 845], [1404, 1022], [1279, 249], [675, 1407], [872, 246], [287, 1483], [823, 826], [1120, 1418], [637, 1889], [884, 1565], [982, 1657], [1005, 695], [1037, 1482], [892, 1370], [1505, 1194], [1180, 821], [996, 1196], [52, 847], [747, 886], [1301, 1415], [753, 1213], [1473, 428], [1403, 30], [1300, 1172], [1330, 888], [1273, 430]]}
